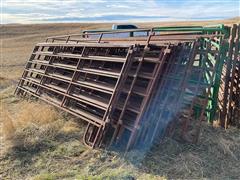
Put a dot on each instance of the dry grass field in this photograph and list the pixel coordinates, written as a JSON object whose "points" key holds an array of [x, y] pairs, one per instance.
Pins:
{"points": [[38, 141]]}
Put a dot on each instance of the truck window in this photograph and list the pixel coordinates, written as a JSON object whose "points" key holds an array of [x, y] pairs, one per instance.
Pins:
{"points": [[126, 27]]}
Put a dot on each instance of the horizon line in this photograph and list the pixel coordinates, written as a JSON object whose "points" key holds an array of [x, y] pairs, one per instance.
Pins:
{"points": [[126, 21]]}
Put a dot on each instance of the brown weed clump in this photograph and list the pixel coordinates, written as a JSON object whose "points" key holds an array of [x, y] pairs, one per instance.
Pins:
{"points": [[27, 113], [8, 128], [39, 113]]}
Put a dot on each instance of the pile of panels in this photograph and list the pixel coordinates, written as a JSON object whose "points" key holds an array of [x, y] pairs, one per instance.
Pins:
{"points": [[130, 90]]}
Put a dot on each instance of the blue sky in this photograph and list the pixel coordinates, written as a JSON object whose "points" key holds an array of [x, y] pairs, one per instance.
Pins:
{"points": [[44, 11]]}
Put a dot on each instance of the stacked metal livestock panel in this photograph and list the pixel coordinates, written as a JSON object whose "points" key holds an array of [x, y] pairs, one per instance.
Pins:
{"points": [[229, 112], [130, 90], [234, 96], [78, 78], [223, 103], [182, 97]]}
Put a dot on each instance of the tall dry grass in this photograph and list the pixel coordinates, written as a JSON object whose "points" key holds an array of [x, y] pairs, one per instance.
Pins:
{"points": [[8, 128], [26, 113]]}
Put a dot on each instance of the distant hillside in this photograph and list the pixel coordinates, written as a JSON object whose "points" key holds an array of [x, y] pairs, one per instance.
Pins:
{"points": [[186, 23]]}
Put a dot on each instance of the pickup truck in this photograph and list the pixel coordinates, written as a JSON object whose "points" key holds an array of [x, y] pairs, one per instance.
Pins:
{"points": [[116, 27]]}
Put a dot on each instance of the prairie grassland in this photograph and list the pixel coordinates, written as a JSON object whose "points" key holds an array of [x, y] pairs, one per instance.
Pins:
{"points": [[41, 142]]}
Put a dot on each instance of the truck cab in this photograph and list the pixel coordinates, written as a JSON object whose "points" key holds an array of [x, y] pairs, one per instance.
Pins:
{"points": [[123, 26]]}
